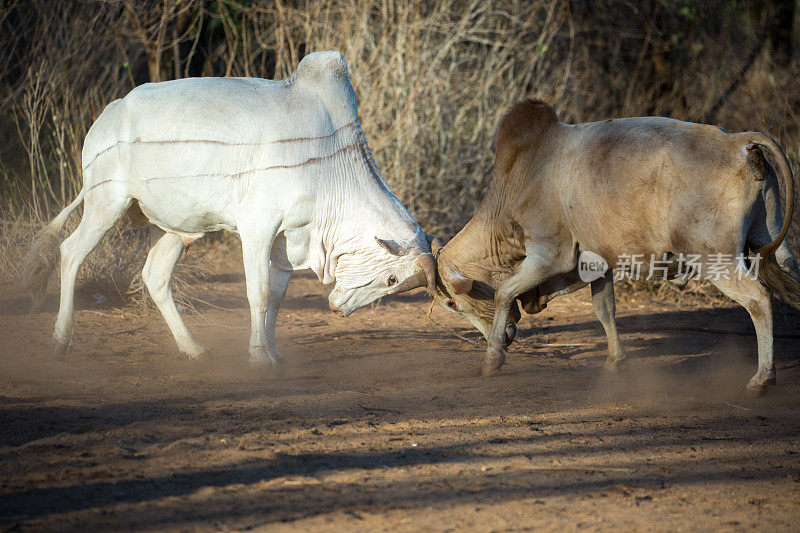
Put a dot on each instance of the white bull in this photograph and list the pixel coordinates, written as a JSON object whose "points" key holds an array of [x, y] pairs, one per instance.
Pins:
{"points": [[284, 164]]}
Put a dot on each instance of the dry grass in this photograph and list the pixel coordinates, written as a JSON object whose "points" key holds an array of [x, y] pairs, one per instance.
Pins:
{"points": [[113, 269], [432, 80]]}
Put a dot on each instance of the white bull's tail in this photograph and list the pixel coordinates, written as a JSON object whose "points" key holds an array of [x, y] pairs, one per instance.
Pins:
{"points": [[41, 259]]}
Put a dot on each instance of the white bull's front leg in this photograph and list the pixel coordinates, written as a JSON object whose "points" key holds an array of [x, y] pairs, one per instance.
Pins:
{"points": [[257, 242], [278, 282]]}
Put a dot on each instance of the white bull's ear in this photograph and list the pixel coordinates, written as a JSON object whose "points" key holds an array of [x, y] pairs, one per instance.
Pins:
{"points": [[393, 247]]}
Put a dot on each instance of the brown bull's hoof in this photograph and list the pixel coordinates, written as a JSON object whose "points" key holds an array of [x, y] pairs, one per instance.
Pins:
{"points": [[511, 333], [491, 365]]}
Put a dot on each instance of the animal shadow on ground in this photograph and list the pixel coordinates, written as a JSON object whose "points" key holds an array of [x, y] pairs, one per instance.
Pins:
{"points": [[280, 503]]}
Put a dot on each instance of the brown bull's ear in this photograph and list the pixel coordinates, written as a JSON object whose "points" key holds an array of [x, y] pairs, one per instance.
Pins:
{"points": [[481, 291], [435, 244], [461, 284]]}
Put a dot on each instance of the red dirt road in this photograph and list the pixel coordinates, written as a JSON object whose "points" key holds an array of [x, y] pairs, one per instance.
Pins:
{"points": [[381, 422]]}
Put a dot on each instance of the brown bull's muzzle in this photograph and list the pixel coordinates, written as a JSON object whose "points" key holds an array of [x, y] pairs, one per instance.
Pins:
{"points": [[426, 276]]}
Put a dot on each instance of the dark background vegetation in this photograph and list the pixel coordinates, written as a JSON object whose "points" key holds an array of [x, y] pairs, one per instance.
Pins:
{"points": [[432, 78]]}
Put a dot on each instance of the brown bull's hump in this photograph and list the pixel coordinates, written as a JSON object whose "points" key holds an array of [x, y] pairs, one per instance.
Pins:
{"points": [[521, 128]]}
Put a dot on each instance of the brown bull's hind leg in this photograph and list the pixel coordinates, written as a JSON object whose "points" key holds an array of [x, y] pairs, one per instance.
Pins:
{"points": [[605, 309], [754, 297]]}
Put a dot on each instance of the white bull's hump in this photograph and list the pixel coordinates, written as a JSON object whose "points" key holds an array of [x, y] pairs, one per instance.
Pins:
{"points": [[315, 103]]}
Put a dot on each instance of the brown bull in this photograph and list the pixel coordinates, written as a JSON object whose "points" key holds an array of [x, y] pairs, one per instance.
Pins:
{"points": [[647, 185]]}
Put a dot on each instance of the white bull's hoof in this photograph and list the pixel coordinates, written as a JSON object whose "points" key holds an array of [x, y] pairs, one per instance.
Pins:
{"points": [[60, 348], [272, 367], [615, 366], [271, 362], [275, 371], [257, 360], [492, 363], [201, 356], [759, 384]]}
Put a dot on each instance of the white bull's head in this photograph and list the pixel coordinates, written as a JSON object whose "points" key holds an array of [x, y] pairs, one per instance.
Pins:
{"points": [[381, 268]]}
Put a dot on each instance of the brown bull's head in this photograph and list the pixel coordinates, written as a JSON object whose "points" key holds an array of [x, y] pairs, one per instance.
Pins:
{"points": [[471, 298]]}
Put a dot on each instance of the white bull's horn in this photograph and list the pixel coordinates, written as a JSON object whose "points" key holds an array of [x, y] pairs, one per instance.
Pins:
{"points": [[427, 276]]}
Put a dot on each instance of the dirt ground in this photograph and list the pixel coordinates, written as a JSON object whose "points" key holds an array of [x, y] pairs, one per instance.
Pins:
{"points": [[382, 423]]}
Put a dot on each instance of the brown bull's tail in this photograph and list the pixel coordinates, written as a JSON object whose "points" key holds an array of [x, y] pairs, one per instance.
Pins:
{"points": [[785, 285], [41, 259]]}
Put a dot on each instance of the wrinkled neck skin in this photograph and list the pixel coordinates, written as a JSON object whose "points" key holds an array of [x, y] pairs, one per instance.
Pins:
{"points": [[489, 245], [353, 206]]}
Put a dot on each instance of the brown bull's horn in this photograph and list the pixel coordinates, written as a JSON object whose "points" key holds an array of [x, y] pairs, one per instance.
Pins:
{"points": [[429, 267], [427, 276], [435, 244]]}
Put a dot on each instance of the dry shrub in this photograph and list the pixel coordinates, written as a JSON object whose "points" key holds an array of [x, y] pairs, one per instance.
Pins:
{"points": [[109, 269], [112, 272], [432, 79]]}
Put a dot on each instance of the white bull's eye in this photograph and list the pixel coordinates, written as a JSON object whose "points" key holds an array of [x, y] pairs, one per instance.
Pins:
{"points": [[392, 280]]}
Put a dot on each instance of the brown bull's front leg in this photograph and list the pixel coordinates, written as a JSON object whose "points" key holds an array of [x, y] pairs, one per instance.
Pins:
{"points": [[529, 274]]}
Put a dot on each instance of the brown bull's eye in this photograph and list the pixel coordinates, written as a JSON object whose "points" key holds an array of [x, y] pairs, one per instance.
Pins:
{"points": [[392, 280], [451, 304]]}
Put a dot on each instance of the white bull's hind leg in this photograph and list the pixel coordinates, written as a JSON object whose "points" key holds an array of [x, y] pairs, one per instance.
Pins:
{"points": [[605, 309], [754, 297], [100, 213], [165, 251], [256, 246], [278, 282]]}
